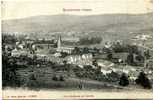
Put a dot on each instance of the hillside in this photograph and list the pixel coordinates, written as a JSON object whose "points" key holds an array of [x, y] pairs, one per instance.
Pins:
{"points": [[116, 23]]}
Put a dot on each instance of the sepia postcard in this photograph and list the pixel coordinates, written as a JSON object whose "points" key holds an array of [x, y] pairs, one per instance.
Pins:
{"points": [[77, 49]]}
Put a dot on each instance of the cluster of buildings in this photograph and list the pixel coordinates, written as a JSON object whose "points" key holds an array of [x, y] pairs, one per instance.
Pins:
{"points": [[52, 51], [55, 48], [29, 47]]}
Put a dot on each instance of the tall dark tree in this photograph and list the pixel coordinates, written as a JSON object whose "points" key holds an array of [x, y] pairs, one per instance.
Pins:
{"points": [[9, 68], [147, 54], [143, 81], [64, 54], [109, 56], [76, 50], [85, 50], [124, 80], [94, 62], [130, 59]]}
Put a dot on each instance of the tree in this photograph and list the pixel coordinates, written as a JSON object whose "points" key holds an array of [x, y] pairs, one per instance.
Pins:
{"points": [[147, 54], [65, 62], [55, 78], [9, 39], [64, 54], [66, 67], [95, 63], [124, 80], [9, 75], [113, 76], [133, 49], [118, 47], [32, 77], [85, 50], [76, 50], [143, 81], [98, 71], [32, 81], [109, 56], [96, 50], [130, 59], [61, 78]]}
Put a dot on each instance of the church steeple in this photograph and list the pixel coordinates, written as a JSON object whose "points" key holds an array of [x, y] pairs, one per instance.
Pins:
{"points": [[59, 42]]}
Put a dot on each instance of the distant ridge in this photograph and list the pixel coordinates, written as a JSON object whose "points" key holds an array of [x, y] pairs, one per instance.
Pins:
{"points": [[117, 23]]}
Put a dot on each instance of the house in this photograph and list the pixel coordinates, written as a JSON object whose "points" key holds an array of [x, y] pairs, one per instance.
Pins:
{"points": [[120, 57], [84, 59], [65, 49], [101, 56], [44, 45], [71, 39], [17, 53], [104, 63]]}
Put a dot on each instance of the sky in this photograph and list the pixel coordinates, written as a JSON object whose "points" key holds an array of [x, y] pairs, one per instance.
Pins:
{"points": [[15, 9]]}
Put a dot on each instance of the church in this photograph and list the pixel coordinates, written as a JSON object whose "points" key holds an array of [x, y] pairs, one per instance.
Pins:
{"points": [[61, 48]]}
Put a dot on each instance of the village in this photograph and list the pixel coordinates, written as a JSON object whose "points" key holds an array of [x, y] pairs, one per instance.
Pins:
{"points": [[70, 61]]}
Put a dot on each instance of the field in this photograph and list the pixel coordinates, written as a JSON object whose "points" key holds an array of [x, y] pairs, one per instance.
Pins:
{"points": [[44, 81]]}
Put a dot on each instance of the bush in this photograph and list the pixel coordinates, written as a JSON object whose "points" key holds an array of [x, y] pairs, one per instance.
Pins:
{"points": [[55, 78], [32, 77], [10, 77], [32, 81], [130, 59], [113, 77], [61, 78], [124, 80], [64, 54], [143, 81]]}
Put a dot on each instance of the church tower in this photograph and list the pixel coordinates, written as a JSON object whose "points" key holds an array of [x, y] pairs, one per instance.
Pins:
{"points": [[59, 42]]}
